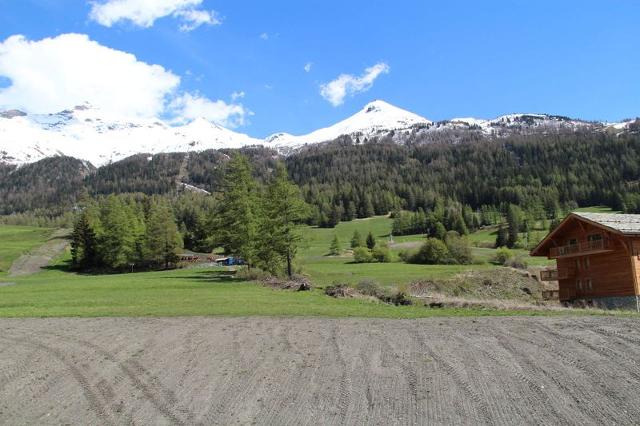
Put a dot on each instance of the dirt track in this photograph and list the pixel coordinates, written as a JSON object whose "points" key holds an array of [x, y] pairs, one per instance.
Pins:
{"points": [[33, 262], [320, 371]]}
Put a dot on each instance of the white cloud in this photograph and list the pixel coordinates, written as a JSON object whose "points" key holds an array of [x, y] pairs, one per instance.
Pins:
{"points": [[348, 85], [237, 95], [144, 13], [193, 18], [57, 73], [308, 66], [189, 107], [264, 36]]}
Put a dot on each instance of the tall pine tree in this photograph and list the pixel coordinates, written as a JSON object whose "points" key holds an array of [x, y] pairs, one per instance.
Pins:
{"points": [[162, 240], [235, 223], [283, 210]]}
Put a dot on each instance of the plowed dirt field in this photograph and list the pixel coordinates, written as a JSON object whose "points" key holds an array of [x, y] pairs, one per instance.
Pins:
{"points": [[568, 370]]}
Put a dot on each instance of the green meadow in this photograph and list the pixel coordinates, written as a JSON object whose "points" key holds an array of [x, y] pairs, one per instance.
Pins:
{"points": [[215, 291], [18, 240]]}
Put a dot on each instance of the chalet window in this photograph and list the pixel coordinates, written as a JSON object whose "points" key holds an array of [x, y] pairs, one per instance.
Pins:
{"points": [[589, 284], [586, 263], [595, 242], [572, 242], [578, 284], [578, 264]]}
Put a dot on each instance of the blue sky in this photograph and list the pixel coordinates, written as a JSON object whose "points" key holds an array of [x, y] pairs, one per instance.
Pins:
{"points": [[445, 59]]}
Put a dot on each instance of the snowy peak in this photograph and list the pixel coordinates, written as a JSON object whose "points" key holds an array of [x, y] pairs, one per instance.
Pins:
{"points": [[521, 123], [87, 133], [377, 118]]}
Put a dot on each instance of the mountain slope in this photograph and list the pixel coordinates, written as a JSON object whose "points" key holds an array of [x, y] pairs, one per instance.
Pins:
{"points": [[87, 133], [377, 118]]}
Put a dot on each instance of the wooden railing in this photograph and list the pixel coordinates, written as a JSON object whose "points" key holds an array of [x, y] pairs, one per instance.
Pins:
{"points": [[583, 247], [555, 274]]}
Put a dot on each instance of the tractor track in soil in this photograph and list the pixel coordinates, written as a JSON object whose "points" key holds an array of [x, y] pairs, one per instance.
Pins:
{"points": [[554, 370]]}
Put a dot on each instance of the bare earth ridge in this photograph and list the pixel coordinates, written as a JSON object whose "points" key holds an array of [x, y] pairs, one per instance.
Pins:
{"points": [[319, 371]]}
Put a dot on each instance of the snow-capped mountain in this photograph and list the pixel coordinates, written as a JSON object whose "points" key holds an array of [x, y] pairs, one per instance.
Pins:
{"points": [[87, 133], [375, 119], [520, 123]]}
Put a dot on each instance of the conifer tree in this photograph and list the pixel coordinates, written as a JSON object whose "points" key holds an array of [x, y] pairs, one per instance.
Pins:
{"points": [[162, 239], [371, 241], [513, 224], [367, 208], [439, 231], [84, 242], [356, 240], [334, 248], [235, 223], [501, 237], [283, 210], [117, 242]]}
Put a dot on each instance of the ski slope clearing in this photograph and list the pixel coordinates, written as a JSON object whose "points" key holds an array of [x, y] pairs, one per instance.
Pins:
{"points": [[198, 370]]}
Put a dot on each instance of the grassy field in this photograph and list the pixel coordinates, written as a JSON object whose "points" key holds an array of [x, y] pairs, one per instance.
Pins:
{"points": [[17, 240], [187, 293], [325, 270], [57, 292]]}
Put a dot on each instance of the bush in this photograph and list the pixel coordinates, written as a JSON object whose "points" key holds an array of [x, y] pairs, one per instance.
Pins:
{"points": [[362, 255], [432, 252], [502, 255], [406, 255], [339, 290], [369, 288], [517, 262], [381, 254], [459, 248], [253, 274]]}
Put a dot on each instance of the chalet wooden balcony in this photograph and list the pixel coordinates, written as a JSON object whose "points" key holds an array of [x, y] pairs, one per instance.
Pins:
{"points": [[555, 274], [581, 248]]}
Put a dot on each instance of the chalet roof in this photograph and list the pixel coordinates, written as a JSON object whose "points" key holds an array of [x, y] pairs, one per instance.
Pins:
{"points": [[623, 223]]}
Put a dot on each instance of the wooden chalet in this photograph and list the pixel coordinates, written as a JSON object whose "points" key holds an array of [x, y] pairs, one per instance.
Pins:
{"points": [[597, 259]]}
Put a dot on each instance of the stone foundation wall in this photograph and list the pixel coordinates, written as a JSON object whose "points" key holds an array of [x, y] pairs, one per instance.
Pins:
{"points": [[616, 302]]}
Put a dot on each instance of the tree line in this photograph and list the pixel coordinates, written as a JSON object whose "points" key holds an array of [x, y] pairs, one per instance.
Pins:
{"points": [[255, 221], [545, 175]]}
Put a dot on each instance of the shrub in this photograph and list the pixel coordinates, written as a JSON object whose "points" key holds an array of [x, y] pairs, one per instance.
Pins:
{"points": [[432, 252], [369, 288], [517, 262], [459, 248], [253, 274], [339, 290], [502, 255], [381, 254], [406, 255], [362, 255], [399, 298]]}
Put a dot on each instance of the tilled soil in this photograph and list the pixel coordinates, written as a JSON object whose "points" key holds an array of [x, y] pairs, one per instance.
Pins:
{"points": [[568, 370]]}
